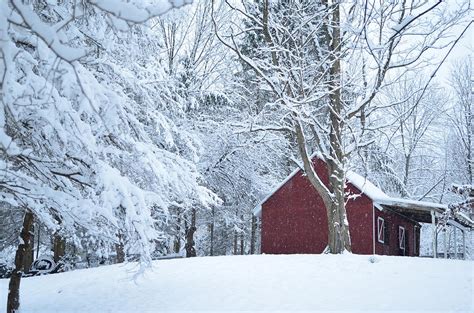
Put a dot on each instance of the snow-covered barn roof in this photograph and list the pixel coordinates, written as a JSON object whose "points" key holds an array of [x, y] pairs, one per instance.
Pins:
{"points": [[419, 210]]}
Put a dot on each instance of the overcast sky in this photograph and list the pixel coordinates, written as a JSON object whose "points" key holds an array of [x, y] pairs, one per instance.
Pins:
{"points": [[461, 50]]}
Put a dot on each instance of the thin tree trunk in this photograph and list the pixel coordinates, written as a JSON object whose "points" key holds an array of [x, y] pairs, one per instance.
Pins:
{"points": [[13, 301], [59, 247], [235, 242], [38, 240], [253, 237], [211, 229], [190, 250], [177, 238], [242, 250], [119, 248], [469, 157]]}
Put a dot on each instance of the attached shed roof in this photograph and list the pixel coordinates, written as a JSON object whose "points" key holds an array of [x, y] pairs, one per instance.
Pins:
{"points": [[419, 211]]}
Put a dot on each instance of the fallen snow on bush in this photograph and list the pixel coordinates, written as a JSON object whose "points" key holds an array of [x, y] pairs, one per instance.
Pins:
{"points": [[258, 283]]}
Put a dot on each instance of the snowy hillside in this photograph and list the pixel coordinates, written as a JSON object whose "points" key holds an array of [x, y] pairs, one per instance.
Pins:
{"points": [[255, 283]]}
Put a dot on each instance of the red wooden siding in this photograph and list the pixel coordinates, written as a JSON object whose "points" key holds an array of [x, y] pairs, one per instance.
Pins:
{"points": [[393, 221], [294, 220]]}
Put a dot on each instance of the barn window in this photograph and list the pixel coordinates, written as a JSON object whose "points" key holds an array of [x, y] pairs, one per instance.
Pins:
{"points": [[401, 237], [380, 230]]}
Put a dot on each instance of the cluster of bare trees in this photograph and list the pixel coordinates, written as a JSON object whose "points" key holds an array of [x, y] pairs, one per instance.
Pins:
{"points": [[325, 82], [131, 133]]}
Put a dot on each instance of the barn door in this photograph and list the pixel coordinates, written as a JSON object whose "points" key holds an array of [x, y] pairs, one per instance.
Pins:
{"points": [[401, 240]]}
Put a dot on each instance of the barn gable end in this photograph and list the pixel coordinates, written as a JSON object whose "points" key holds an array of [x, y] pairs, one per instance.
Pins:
{"points": [[294, 218]]}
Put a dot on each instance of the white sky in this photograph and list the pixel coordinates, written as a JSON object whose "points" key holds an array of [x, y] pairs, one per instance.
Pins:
{"points": [[461, 50]]}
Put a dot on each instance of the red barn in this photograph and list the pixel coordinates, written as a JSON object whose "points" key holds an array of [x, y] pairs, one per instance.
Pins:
{"points": [[294, 220]]}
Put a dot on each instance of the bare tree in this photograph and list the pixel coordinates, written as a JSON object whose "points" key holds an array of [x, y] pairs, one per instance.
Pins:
{"points": [[323, 81], [410, 136], [462, 116]]}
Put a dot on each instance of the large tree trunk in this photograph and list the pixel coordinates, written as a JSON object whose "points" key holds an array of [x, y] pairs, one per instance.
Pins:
{"points": [[338, 237], [29, 250], [13, 302], [338, 225], [333, 194]]}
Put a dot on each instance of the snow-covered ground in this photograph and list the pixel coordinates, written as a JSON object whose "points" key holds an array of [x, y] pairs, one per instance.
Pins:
{"points": [[347, 283]]}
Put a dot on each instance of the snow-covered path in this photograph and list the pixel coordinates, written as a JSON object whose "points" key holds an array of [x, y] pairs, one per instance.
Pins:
{"points": [[258, 283]]}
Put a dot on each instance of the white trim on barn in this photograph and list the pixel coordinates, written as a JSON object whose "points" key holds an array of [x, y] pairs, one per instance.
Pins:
{"points": [[380, 230], [401, 237]]}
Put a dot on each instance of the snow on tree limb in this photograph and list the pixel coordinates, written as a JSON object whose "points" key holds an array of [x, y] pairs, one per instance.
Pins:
{"points": [[75, 148], [137, 11], [47, 33]]}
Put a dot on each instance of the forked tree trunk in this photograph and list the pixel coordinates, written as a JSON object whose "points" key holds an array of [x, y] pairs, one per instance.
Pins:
{"points": [[13, 301], [333, 194], [338, 237]]}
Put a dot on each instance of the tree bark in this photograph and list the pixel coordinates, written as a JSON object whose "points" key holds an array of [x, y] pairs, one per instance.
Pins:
{"points": [[333, 194], [59, 247], [29, 249], [470, 136], [407, 171], [211, 230], [177, 238], [38, 240], [253, 237], [189, 246], [235, 242], [13, 302], [339, 237], [119, 248]]}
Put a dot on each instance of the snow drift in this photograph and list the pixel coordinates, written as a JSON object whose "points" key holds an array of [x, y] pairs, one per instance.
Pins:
{"points": [[255, 283]]}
